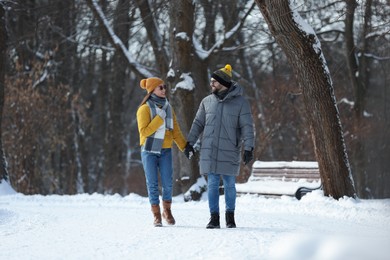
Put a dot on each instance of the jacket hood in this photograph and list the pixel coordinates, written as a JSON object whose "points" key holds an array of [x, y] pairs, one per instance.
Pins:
{"points": [[236, 90]]}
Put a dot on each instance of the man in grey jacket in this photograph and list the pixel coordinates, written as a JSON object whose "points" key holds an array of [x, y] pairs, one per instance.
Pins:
{"points": [[224, 120]]}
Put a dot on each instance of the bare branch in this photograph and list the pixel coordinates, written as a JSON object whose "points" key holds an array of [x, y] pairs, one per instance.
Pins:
{"points": [[205, 54], [138, 69]]}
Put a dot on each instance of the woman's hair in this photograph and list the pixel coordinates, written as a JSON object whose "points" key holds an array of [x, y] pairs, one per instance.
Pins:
{"points": [[145, 99]]}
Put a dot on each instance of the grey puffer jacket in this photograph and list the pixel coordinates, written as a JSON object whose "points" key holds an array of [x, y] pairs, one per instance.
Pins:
{"points": [[225, 125]]}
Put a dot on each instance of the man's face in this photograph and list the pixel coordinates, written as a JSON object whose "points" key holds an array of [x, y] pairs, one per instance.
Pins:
{"points": [[215, 85]]}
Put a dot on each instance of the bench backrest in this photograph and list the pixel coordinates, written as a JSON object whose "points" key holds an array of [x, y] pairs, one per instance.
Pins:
{"points": [[289, 171]]}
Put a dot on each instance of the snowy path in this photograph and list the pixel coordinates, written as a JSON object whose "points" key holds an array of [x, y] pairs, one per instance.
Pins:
{"points": [[114, 227]]}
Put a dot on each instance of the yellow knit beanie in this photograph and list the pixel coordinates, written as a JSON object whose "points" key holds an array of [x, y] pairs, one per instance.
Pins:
{"points": [[223, 75], [151, 83]]}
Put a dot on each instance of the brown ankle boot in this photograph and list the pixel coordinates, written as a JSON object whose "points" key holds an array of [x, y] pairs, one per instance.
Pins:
{"points": [[157, 215], [167, 214]]}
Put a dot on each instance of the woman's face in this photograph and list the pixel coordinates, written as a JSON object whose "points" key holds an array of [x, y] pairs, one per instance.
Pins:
{"points": [[160, 91]]}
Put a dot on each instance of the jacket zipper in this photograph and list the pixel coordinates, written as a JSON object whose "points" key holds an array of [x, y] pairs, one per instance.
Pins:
{"points": [[219, 134]]}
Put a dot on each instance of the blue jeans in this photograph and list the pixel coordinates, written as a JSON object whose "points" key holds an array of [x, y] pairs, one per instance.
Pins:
{"points": [[229, 185], [153, 164]]}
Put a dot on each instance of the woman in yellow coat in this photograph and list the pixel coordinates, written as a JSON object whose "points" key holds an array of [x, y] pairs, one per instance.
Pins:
{"points": [[158, 128]]}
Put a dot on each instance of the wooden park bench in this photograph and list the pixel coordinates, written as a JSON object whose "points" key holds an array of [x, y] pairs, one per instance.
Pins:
{"points": [[277, 178]]}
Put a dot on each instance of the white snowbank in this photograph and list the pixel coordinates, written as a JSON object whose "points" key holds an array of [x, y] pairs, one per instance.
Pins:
{"points": [[114, 227]]}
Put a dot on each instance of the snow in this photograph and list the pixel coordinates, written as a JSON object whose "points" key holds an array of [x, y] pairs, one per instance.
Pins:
{"points": [[182, 36], [308, 30], [197, 187], [186, 82], [366, 114], [114, 227], [233, 31], [346, 101], [5, 188], [201, 53], [171, 73]]}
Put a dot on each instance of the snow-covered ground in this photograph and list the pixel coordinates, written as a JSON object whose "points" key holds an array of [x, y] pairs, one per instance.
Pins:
{"points": [[114, 227]]}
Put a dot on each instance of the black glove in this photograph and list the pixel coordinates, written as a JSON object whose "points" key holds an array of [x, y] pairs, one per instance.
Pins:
{"points": [[189, 151], [248, 156]]}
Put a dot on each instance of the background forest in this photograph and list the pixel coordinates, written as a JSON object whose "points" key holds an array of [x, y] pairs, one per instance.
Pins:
{"points": [[71, 72]]}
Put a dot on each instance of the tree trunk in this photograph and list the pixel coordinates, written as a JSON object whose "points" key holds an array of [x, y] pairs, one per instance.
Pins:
{"points": [[302, 49], [182, 21], [101, 115], [358, 75], [66, 54], [115, 155], [3, 53]]}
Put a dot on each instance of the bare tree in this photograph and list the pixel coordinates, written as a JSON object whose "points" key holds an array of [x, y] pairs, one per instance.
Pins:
{"points": [[115, 146], [98, 56], [115, 41], [303, 51], [181, 15], [155, 37], [352, 58], [358, 83]]}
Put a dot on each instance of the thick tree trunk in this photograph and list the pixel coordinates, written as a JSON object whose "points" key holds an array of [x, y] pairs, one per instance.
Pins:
{"points": [[183, 100], [3, 48], [303, 51]]}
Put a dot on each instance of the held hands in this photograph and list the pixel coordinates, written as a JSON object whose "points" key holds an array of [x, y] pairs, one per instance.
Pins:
{"points": [[248, 156], [189, 151]]}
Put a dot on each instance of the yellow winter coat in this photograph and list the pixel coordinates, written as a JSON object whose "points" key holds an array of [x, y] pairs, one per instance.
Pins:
{"points": [[147, 127]]}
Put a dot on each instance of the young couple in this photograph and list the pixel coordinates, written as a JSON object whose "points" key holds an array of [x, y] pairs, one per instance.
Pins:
{"points": [[224, 122]]}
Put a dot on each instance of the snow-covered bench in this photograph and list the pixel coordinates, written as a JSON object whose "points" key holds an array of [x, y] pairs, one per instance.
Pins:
{"points": [[277, 178]]}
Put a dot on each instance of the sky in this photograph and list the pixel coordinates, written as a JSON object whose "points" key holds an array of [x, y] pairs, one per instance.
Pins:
{"points": [[100, 226]]}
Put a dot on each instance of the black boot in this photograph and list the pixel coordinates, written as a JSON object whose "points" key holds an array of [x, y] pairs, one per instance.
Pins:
{"points": [[214, 221], [230, 220]]}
